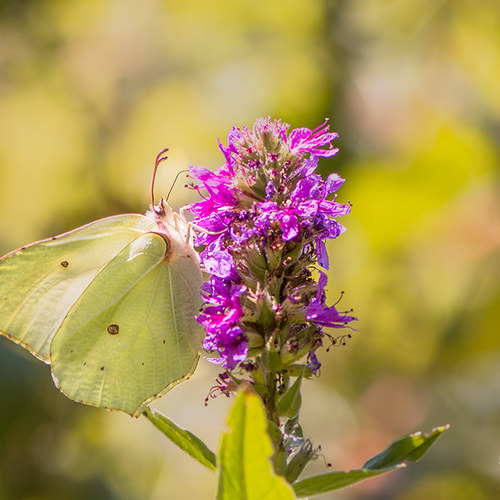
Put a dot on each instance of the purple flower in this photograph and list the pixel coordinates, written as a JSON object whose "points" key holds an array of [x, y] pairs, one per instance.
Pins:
{"points": [[303, 140], [321, 253], [271, 212], [221, 317], [314, 363], [263, 220], [318, 312], [219, 263]]}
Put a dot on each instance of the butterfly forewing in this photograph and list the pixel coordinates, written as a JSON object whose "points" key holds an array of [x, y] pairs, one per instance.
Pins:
{"points": [[40, 282]]}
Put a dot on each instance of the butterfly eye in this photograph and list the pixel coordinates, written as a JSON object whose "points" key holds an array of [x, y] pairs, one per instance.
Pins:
{"points": [[113, 329], [65, 263]]}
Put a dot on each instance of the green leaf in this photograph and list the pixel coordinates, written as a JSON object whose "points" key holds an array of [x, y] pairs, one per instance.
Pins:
{"points": [[334, 481], [184, 439], [407, 449], [299, 461], [245, 468], [290, 402], [297, 447]]}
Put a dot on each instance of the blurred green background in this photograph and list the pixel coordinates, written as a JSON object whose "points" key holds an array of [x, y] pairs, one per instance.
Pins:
{"points": [[91, 90]]}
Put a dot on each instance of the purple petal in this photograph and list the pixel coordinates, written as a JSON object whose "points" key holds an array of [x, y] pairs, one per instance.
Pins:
{"points": [[270, 190], [327, 316], [307, 188], [322, 281], [334, 209], [219, 263], [308, 208], [289, 227], [309, 166], [201, 173], [314, 364], [322, 254], [304, 140], [332, 183]]}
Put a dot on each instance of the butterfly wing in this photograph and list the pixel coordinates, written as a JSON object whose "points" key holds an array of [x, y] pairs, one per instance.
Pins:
{"points": [[132, 335], [40, 282]]}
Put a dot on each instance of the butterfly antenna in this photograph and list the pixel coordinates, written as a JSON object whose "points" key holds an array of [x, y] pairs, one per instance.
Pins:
{"points": [[159, 159], [173, 183]]}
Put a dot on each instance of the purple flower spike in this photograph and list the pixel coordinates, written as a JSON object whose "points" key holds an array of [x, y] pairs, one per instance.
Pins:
{"points": [[264, 219]]}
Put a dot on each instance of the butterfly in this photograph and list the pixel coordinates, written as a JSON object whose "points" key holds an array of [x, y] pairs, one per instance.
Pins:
{"points": [[110, 305]]}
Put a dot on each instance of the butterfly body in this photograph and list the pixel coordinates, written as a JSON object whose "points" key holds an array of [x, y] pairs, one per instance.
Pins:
{"points": [[110, 305]]}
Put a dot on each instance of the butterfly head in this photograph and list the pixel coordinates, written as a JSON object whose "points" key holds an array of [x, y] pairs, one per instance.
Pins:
{"points": [[161, 211], [174, 228]]}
